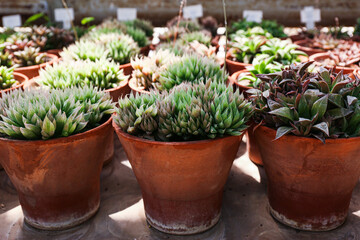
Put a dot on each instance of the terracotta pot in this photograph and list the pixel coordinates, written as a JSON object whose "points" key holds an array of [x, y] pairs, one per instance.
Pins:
{"points": [[233, 66], [322, 56], [127, 68], [182, 182], [58, 180], [309, 183], [309, 51], [33, 71], [297, 37], [136, 89], [55, 52], [120, 91], [242, 85]]}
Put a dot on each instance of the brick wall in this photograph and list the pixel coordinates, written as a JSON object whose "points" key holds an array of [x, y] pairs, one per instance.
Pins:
{"points": [[159, 11]]}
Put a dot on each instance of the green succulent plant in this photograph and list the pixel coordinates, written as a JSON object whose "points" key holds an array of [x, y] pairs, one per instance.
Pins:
{"points": [[196, 36], [121, 50], [102, 73], [138, 35], [144, 25], [84, 49], [192, 69], [321, 104], [5, 57], [7, 78], [251, 32], [146, 70], [28, 57], [245, 49], [260, 67], [187, 112], [42, 114], [283, 50], [272, 27]]}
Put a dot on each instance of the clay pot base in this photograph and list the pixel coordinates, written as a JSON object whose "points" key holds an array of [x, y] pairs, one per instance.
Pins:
{"points": [[181, 230], [108, 161], [304, 227], [63, 225]]}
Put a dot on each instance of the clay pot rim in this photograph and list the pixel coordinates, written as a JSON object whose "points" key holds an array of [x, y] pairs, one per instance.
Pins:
{"points": [[70, 138], [291, 136], [122, 66], [235, 75], [16, 75], [228, 60], [134, 88], [317, 56], [185, 143], [53, 59], [301, 43], [121, 85]]}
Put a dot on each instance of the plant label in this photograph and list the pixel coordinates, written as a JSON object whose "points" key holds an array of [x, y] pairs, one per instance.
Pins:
{"points": [[193, 11], [126, 14], [309, 15], [11, 21], [253, 16], [64, 15]]}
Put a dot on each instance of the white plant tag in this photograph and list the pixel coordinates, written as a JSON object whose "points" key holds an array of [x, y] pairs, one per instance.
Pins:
{"points": [[253, 16], [65, 16], [309, 15], [193, 11], [126, 14], [11, 21]]}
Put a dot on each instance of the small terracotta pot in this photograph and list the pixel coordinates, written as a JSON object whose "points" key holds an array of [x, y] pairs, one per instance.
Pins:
{"points": [[309, 51], [233, 66], [322, 56], [251, 144], [55, 52], [136, 89], [309, 183], [57, 180], [182, 182], [127, 68], [33, 71], [21, 78], [297, 37], [120, 91]]}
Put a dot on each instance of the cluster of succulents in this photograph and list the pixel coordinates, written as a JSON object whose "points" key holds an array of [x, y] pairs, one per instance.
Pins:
{"points": [[198, 36], [251, 32], [320, 104], [102, 73], [146, 70], [7, 78], [28, 57], [5, 57], [84, 49], [141, 24], [45, 114], [191, 69], [272, 27], [247, 49], [187, 112], [187, 24], [323, 41], [259, 67]]}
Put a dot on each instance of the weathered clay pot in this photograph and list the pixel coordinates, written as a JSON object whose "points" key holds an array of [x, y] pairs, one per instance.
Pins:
{"points": [[251, 145], [309, 183], [182, 182], [309, 51], [233, 66], [120, 91], [322, 56], [127, 68], [57, 180], [33, 71]]}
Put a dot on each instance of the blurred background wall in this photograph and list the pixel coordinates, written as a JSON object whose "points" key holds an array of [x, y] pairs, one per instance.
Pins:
{"points": [[159, 11]]}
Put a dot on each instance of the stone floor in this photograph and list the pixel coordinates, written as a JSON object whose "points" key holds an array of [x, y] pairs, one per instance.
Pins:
{"points": [[121, 215]]}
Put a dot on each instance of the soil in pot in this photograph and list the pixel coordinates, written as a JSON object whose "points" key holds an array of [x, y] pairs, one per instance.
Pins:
{"points": [[182, 182], [323, 59], [57, 180], [33, 71], [309, 183]]}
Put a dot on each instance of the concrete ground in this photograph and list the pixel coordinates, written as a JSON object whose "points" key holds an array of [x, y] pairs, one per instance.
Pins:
{"points": [[245, 212]]}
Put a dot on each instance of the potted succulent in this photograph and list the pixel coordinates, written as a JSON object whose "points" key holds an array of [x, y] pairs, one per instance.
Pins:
{"points": [[345, 57], [163, 71], [308, 136], [52, 137], [244, 50], [102, 73], [181, 145], [269, 26], [321, 43], [119, 47]]}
